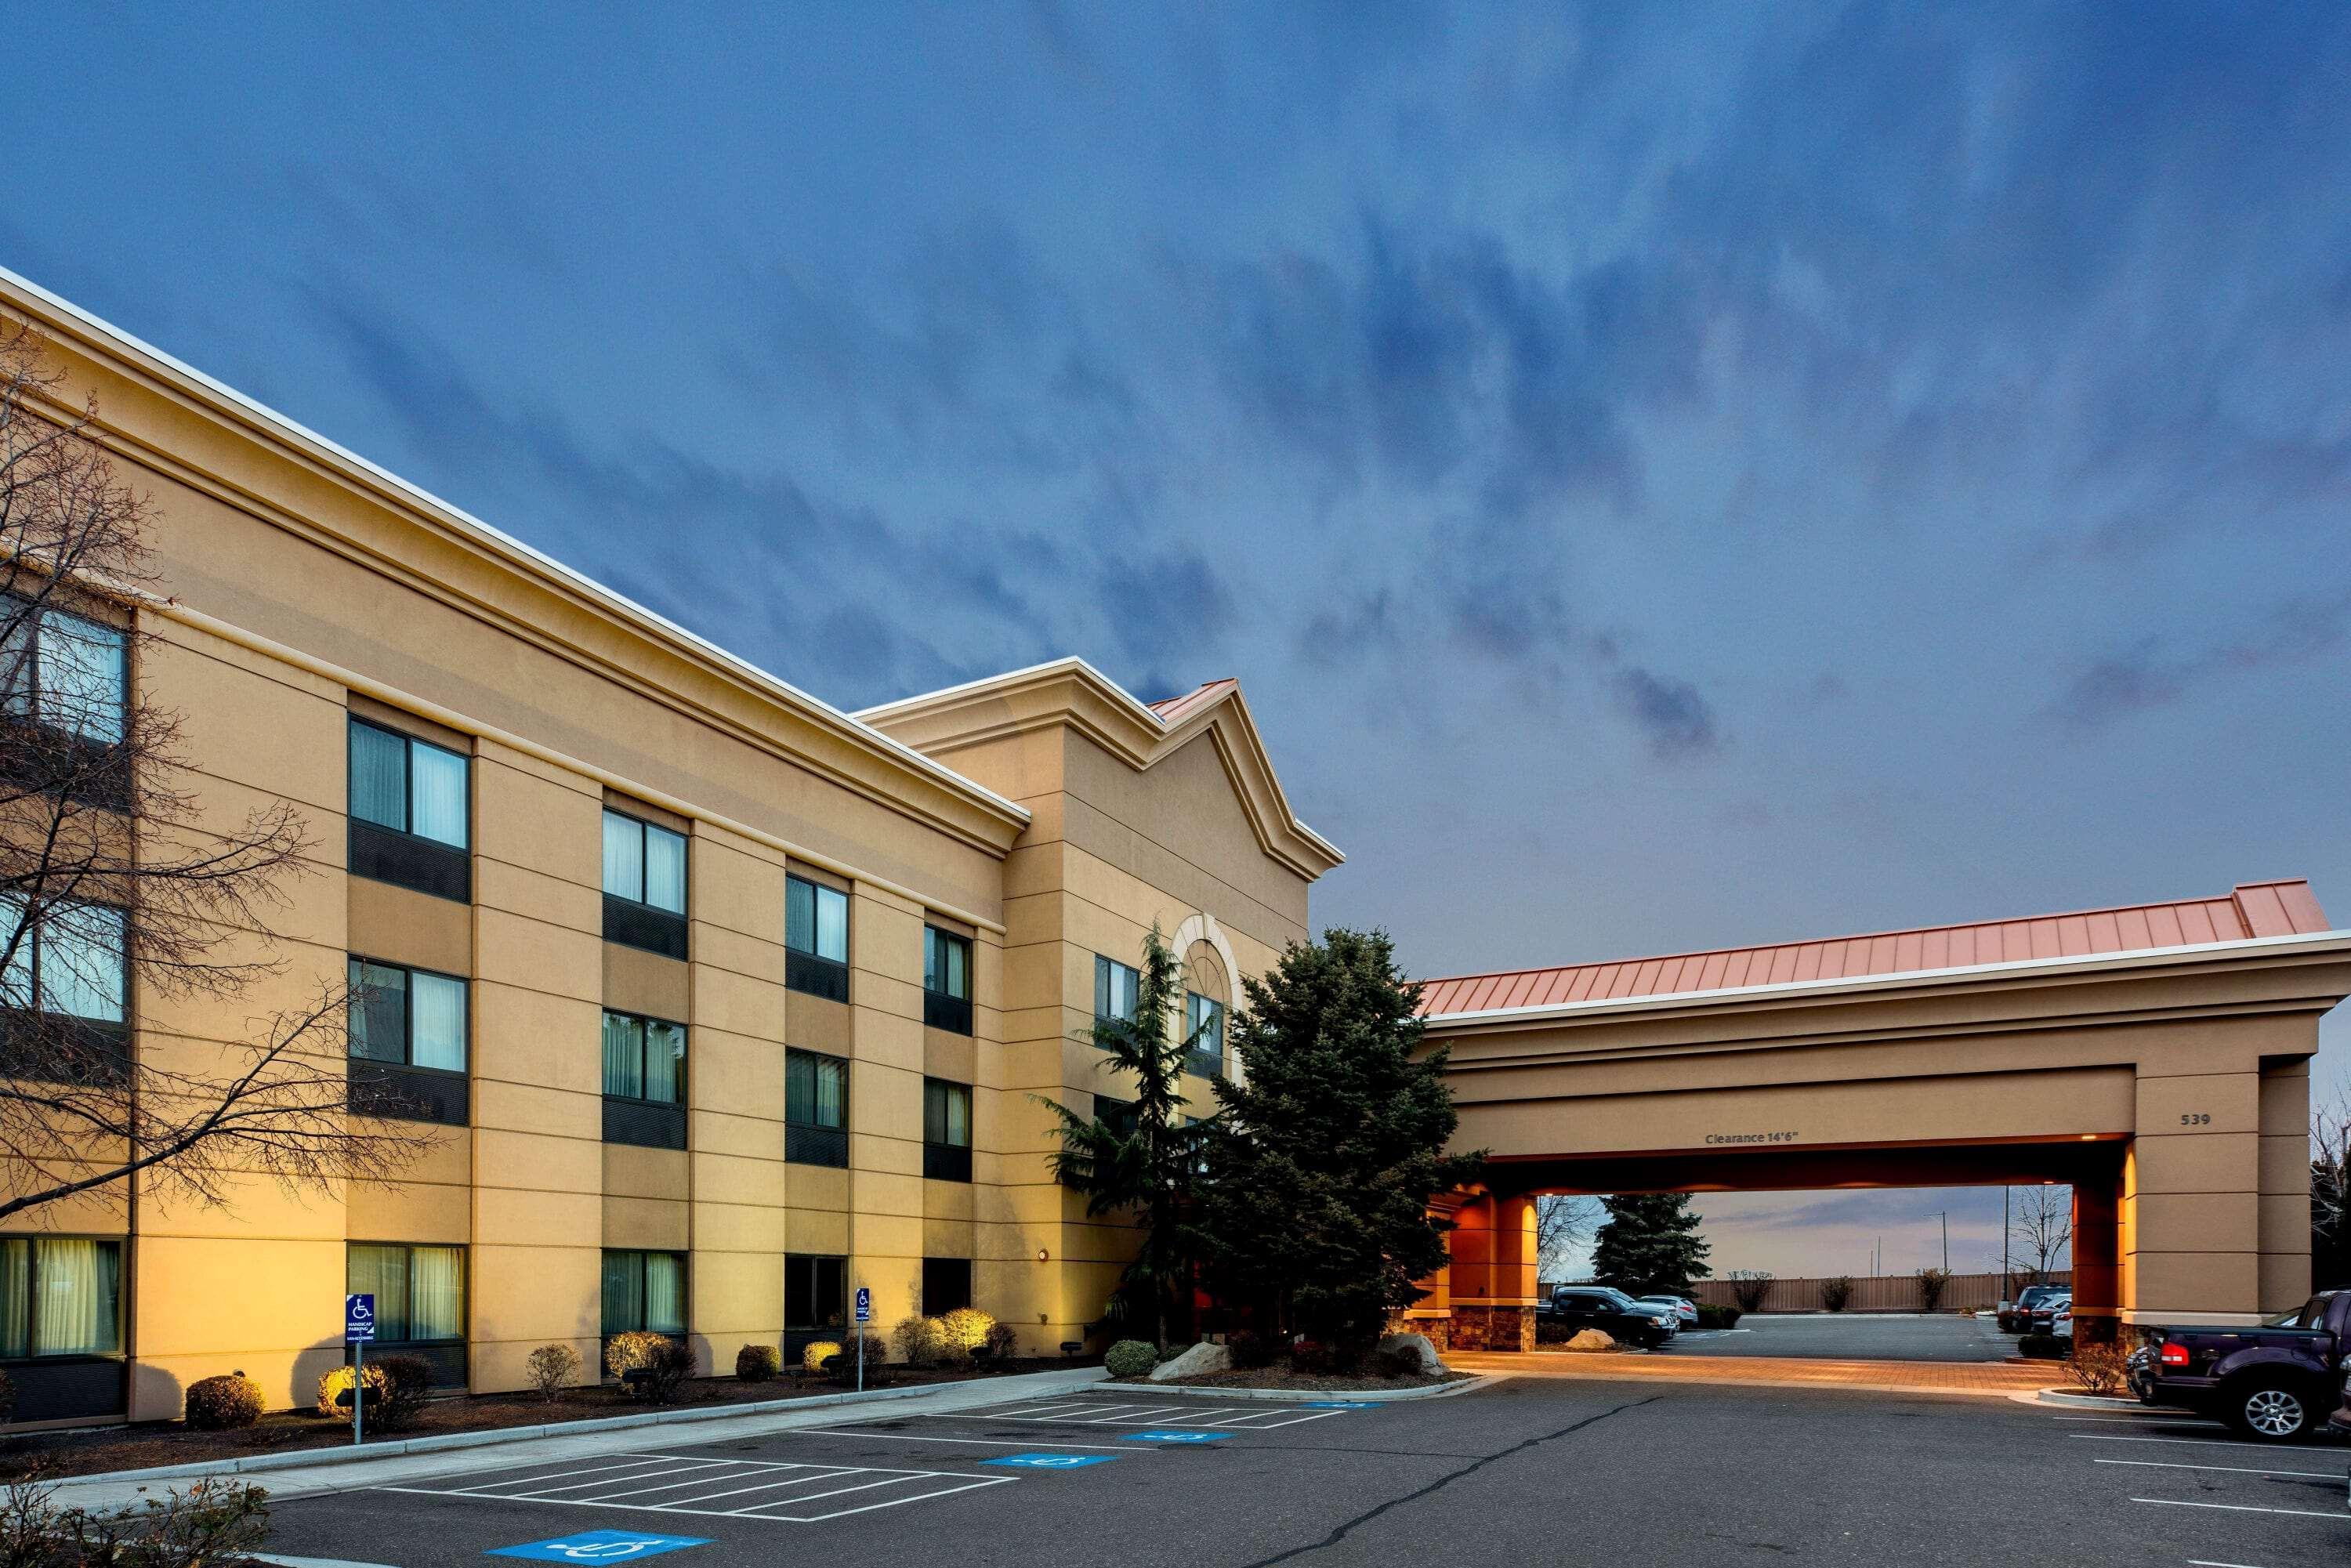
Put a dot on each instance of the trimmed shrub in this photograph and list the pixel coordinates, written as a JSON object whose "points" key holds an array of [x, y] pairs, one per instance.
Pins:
{"points": [[1718, 1317], [217, 1403], [407, 1382], [1395, 1361], [1932, 1285], [1249, 1350], [2101, 1369], [552, 1368], [1003, 1342], [963, 1331], [758, 1363], [1835, 1292], [1310, 1355], [627, 1352], [1131, 1358], [843, 1362], [917, 1340], [337, 1383], [820, 1354], [1751, 1287]]}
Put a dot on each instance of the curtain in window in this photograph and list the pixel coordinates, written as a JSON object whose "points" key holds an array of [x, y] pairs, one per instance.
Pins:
{"points": [[664, 1292], [1115, 985], [438, 782], [665, 869], [436, 1292], [379, 1012], [946, 1114], [800, 915], [831, 1095], [373, 1270], [624, 1051], [378, 777], [833, 924], [438, 1029], [78, 1291], [81, 677], [81, 962], [664, 1055], [15, 1297], [624, 1291], [959, 974], [624, 856]]}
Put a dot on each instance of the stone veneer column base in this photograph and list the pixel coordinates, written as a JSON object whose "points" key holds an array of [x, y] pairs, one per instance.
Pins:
{"points": [[1497, 1327]]}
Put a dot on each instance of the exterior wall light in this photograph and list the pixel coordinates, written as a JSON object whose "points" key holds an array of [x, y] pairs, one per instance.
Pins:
{"points": [[1040, 1254]]}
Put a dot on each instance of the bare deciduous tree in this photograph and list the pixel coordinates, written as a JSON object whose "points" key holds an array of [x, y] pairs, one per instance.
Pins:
{"points": [[1565, 1226], [2040, 1229], [2330, 1190], [120, 889]]}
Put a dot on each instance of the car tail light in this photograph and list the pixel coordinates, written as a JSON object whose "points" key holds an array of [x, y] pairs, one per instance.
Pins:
{"points": [[2174, 1355]]}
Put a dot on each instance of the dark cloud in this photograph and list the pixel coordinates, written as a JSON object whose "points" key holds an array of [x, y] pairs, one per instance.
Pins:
{"points": [[1677, 721], [2147, 675]]}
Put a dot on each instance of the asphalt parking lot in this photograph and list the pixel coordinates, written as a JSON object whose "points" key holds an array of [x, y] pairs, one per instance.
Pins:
{"points": [[1859, 1337], [1531, 1471]]}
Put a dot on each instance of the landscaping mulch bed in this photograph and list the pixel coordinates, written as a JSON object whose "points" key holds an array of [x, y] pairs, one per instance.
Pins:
{"points": [[1304, 1382], [93, 1450]]}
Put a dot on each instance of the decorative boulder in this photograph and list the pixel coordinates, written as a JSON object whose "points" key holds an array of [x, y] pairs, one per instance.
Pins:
{"points": [[1591, 1339], [1413, 1349], [1201, 1358]]}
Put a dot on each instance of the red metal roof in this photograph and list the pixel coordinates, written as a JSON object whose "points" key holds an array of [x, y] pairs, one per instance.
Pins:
{"points": [[1172, 711], [2253, 909]]}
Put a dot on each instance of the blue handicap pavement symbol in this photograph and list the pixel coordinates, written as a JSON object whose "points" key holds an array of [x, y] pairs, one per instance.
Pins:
{"points": [[1175, 1437], [600, 1546], [1343, 1405], [1049, 1461]]}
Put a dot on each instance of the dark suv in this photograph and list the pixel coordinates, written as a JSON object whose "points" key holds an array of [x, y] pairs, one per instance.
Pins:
{"points": [[1611, 1312]]}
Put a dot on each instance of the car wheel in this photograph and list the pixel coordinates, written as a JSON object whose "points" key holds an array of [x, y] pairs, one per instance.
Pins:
{"points": [[2270, 1412]]}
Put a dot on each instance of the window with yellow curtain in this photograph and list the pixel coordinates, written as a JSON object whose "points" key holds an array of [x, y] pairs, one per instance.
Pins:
{"points": [[420, 1291], [61, 1295]]}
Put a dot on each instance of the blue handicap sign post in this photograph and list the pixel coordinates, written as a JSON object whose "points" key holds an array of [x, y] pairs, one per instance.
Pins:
{"points": [[358, 1328], [863, 1306], [600, 1546]]}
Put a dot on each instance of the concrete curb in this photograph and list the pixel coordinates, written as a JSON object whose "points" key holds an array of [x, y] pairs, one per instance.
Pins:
{"points": [[1474, 1380], [304, 1458], [2082, 1401]]}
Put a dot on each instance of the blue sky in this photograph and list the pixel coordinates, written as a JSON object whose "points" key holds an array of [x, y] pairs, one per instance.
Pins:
{"points": [[1665, 476]]}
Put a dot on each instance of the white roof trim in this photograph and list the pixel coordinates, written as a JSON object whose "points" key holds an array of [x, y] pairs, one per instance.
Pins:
{"points": [[2136, 957], [499, 538]]}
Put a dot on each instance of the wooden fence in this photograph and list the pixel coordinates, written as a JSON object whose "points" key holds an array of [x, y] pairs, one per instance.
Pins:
{"points": [[1880, 1293]]}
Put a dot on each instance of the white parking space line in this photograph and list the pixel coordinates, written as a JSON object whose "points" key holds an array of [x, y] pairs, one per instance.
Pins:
{"points": [[2208, 1563], [2335, 1514], [2192, 1442], [2225, 1469], [966, 1442], [2144, 1420], [727, 1488]]}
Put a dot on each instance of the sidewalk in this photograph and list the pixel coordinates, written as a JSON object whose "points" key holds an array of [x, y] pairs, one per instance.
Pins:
{"points": [[1978, 1377], [127, 1488]]}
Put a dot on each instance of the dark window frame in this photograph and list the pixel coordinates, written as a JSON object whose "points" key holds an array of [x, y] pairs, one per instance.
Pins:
{"points": [[400, 855], [638, 1120], [632, 920], [947, 1285], [34, 966], [407, 1090], [943, 1006], [1106, 968], [685, 1290], [464, 1289], [31, 694], [815, 1266], [943, 1159], [121, 1245], [808, 1142], [1205, 1063], [95, 770], [805, 968]]}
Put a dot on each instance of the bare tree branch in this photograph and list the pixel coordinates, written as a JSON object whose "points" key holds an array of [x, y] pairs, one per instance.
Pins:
{"points": [[120, 886]]}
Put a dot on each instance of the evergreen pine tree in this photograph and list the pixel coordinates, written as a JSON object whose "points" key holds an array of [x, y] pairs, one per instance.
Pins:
{"points": [[1148, 1164], [1649, 1245], [1330, 1145]]}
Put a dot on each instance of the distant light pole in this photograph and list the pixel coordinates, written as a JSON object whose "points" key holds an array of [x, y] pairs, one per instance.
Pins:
{"points": [[1945, 1216], [2004, 1243]]}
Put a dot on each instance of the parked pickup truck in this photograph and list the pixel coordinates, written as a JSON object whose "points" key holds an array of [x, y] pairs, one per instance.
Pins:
{"points": [[2273, 1384]]}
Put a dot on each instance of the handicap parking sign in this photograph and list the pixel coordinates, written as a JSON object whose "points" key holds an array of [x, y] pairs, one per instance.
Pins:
{"points": [[600, 1546], [1175, 1437], [1049, 1461]]}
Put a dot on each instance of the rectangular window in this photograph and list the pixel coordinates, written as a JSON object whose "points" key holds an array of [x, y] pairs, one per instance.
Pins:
{"points": [[816, 938], [947, 980], [946, 1130], [644, 885], [644, 1081], [72, 961], [947, 1285], [66, 674], [409, 1017], [409, 807], [816, 1108], [1119, 1115], [1204, 1026], [420, 1291], [815, 1290], [645, 1291], [61, 1295], [1115, 987]]}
